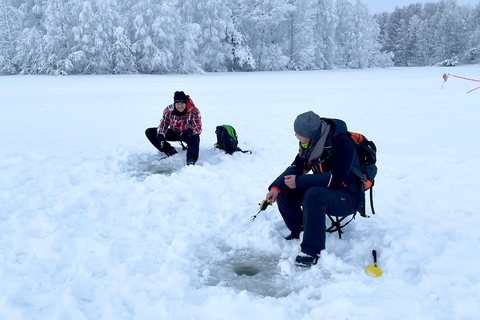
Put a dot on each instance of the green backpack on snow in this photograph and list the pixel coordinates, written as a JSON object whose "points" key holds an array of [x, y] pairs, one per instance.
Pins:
{"points": [[227, 139]]}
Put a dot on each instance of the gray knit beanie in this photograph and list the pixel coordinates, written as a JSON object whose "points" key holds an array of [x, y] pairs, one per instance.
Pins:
{"points": [[307, 124]]}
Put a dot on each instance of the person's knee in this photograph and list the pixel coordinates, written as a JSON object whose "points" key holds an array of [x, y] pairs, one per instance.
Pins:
{"points": [[194, 138], [149, 132], [289, 198], [286, 197], [193, 142]]}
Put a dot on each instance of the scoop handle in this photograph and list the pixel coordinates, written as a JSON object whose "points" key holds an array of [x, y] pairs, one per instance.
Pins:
{"points": [[264, 205], [374, 253]]}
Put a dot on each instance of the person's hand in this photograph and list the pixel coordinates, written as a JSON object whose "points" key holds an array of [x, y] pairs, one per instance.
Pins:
{"points": [[290, 181], [272, 195], [161, 140]]}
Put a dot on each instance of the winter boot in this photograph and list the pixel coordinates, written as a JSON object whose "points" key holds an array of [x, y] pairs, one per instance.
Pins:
{"points": [[305, 260], [292, 236], [191, 161]]}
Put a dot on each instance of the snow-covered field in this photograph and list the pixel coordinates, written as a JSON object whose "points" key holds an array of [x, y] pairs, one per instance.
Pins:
{"points": [[94, 226]]}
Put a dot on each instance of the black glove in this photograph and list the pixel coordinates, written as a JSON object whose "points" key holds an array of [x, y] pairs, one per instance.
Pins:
{"points": [[171, 152], [184, 135]]}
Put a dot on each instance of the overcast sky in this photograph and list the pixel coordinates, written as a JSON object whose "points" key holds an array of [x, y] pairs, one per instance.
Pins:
{"points": [[378, 6]]}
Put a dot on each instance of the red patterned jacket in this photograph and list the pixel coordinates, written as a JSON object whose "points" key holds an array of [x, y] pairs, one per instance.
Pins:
{"points": [[191, 120]]}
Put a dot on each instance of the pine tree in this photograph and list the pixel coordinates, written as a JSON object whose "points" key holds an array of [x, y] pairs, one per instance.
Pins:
{"points": [[10, 36], [415, 44], [83, 56], [152, 45], [324, 35], [344, 34], [401, 45], [473, 53], [240, 58], [213, 18], [187, 39], [260, 20], [451, 41], [28, 50], [122, 57], [301, 48], [107, 21], [58, 38]]}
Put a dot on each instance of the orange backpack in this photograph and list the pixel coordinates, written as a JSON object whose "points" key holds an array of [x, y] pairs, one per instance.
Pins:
{"points": [[367, 151]]}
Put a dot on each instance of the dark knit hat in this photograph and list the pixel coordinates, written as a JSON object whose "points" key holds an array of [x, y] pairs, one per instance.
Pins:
{"points": [[307, 124], [179, 96]]}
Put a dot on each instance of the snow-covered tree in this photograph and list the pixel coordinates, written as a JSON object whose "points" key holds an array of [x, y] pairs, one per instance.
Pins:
{"points": [[188, 37], [221, 46], [430, 33], [345, 37], [324, 35], [415, 46], [153, 46], [300, 35], [58, 38], [240, 58], [107, 21], [473, 53], [450, 37], [21, 33], [86, 48], [122, 57], [10, 36], [185, 60], [213, 18], [260, 19]]}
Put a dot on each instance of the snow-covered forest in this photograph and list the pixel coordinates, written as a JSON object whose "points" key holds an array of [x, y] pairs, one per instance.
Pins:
{"points": [[60, 37], [423, 35]]}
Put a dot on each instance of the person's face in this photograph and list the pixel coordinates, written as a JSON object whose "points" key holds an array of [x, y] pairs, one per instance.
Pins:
{"points": [[180, 106], [302, 140]]}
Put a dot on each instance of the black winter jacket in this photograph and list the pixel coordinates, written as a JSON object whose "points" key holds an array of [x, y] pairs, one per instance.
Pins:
{"points": [[332, 170]]}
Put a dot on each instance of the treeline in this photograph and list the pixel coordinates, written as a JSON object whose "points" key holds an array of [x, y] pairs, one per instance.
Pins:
{"points": [[180, 36], [59, 37], [433, 33]]}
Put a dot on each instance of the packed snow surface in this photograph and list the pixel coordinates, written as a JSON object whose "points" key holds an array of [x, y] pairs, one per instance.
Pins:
{"points": [[93, 225]]}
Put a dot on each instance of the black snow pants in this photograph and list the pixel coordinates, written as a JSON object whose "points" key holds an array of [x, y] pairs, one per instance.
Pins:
{"points": [[193, 141], [306, 210]]}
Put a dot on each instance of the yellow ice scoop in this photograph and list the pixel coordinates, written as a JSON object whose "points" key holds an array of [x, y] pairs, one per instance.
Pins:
{"points": [[372, 270]]}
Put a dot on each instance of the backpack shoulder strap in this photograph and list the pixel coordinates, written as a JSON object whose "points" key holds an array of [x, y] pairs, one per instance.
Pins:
{"points": [[244, 151], [338, 126]]}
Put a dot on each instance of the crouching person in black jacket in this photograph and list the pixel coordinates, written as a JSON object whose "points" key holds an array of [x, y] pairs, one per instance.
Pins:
{"points": [[305, 199]]}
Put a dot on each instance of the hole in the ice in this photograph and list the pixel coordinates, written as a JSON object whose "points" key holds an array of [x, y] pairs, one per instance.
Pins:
{"points": [[246, 270]]}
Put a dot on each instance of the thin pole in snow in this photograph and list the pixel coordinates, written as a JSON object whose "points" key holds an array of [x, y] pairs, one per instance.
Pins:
{"points": [[445, 78]]}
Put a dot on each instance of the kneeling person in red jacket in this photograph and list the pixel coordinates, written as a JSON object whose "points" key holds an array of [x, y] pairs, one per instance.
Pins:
{"points": [[181, 121]]}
